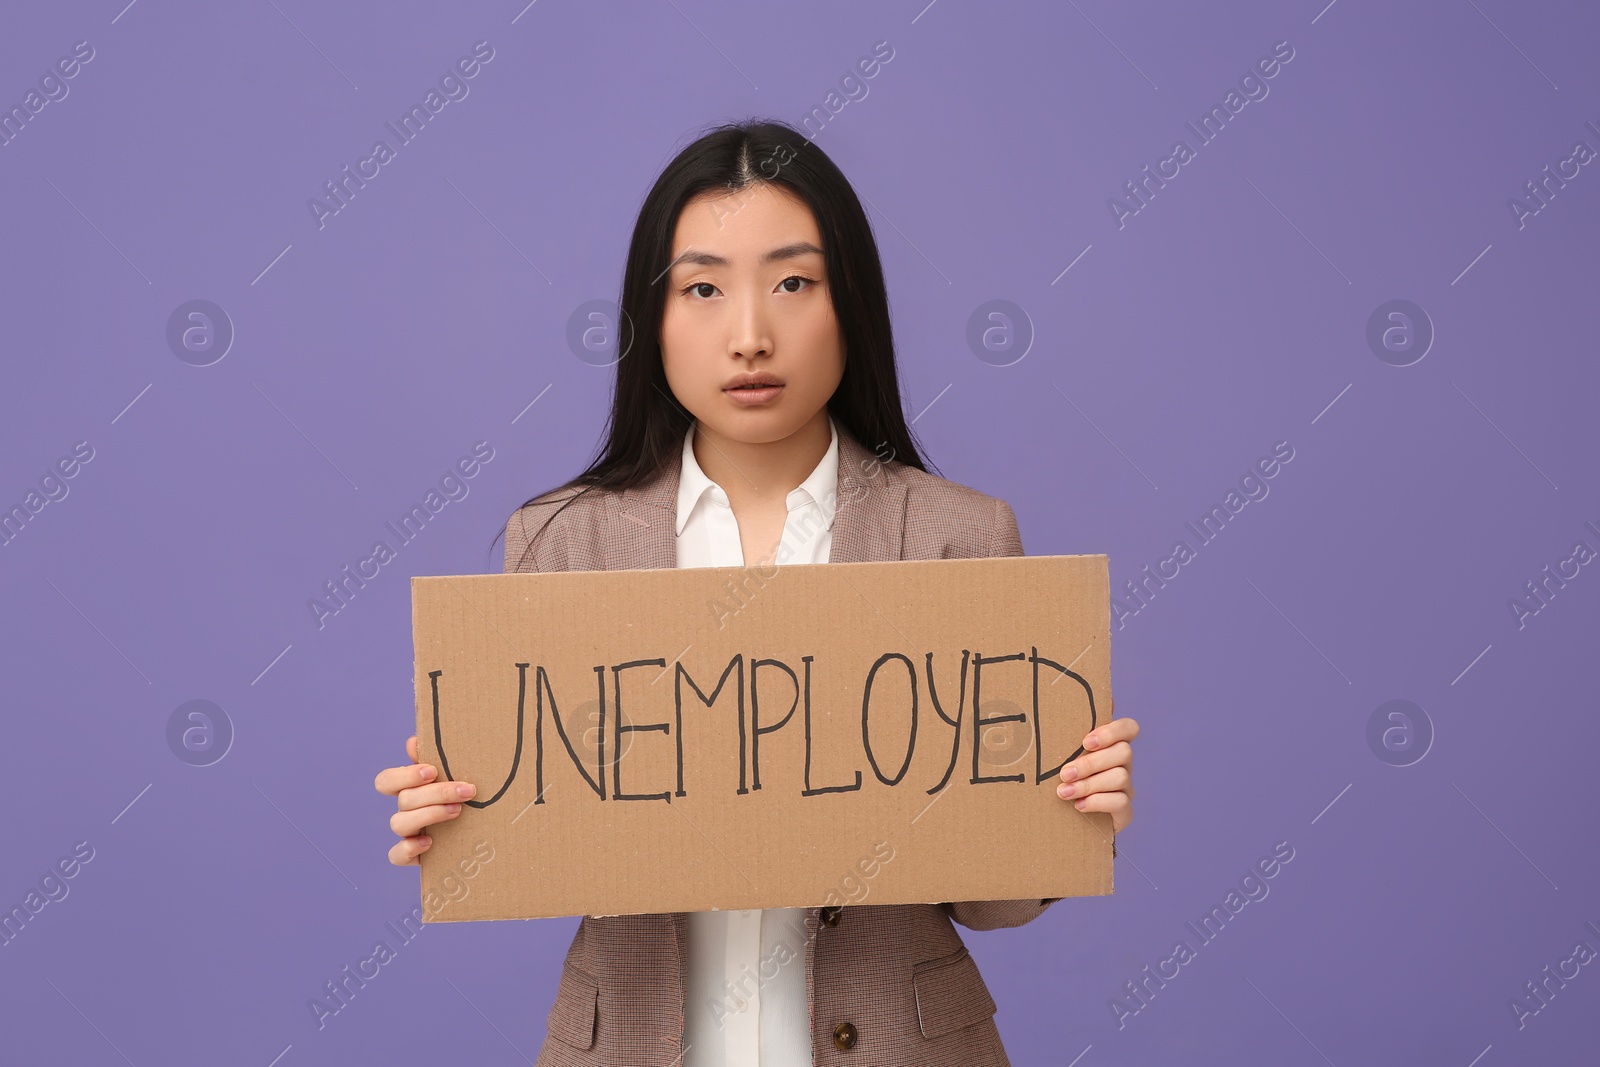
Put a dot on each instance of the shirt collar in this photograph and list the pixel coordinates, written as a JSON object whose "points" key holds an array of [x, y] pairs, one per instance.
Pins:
{"points": [[821, 486]]}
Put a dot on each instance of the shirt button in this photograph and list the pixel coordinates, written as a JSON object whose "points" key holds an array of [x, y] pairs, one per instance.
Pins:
{"points": [[844, 1035]]}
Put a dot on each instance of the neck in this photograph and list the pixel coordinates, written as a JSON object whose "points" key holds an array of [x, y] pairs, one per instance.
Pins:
{"points": [[762, 474]]}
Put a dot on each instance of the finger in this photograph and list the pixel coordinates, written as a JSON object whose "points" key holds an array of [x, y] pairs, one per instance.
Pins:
{"points": [[391, 780], [1117, 779], [411, 748], [406, 851], [1118, 755], [411, 823], [1105, 735], [1119, 805], [1112, 732], [1120, 818], [436, 793]]}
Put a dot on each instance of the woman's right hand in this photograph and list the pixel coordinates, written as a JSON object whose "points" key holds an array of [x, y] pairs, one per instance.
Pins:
{"points": [[423, 802]]}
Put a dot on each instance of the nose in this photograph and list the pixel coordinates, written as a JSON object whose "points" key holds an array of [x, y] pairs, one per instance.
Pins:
{"points": [[749, 335]]}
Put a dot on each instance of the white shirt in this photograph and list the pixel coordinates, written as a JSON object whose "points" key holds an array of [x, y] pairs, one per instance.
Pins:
{"points": [[746, 969]]}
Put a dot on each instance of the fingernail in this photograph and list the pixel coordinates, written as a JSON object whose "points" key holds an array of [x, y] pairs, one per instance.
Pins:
{"points": [[1080, 803], [452, 808], [1091, 741], [427, 771], [466, 789], [424, 841], [1065, 791], [1069, 774]]}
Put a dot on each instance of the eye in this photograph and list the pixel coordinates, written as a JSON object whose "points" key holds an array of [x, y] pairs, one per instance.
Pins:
{"points": [[693, 288]]}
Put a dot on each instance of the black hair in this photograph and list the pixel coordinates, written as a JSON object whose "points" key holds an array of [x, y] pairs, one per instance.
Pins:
{"points": [[647, 424]]}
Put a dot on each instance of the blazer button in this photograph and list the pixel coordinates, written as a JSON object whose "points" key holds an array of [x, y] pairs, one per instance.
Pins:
{"points": [[844, 1035], [830, 916]]}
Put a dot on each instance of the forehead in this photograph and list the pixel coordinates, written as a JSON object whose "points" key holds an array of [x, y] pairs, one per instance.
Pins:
{"points": [[740, 225]]}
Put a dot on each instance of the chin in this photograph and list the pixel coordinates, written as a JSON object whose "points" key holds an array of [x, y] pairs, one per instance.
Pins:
{"points": [[753, 427]]}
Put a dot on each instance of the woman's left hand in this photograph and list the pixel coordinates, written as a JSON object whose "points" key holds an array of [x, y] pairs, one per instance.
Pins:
{"points": [[1101, 779]]}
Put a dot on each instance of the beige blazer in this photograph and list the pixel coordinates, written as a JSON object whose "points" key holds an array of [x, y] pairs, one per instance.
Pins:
{"points": [[886, 984]]}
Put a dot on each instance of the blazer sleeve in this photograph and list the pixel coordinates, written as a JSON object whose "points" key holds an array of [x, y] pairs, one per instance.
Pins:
{"points": [[516, 543], [1004, 540], [523, 527]]}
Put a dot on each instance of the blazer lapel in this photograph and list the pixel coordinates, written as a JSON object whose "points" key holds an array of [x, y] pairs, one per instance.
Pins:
{"points": [[870, 517], [868, 523], [640, 523]]}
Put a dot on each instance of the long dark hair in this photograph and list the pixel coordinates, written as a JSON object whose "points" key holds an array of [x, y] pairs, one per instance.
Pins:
{"points": [[647, 424]]}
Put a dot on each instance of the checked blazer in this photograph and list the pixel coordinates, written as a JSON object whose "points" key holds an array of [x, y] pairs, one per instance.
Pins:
{"points": [[887, 985]]}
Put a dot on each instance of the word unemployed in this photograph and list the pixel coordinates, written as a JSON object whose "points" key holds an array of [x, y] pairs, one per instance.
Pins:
{"points": [[899, 700]]}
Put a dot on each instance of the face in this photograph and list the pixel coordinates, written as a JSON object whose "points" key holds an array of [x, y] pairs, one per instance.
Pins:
{"points": [[748, 293]]}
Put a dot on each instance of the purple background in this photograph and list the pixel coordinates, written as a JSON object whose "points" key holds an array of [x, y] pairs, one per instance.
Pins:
{"points": [[1228, 315]]}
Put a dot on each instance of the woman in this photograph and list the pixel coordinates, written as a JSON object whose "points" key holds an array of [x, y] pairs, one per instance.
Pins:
{"points": [[757, 418]]}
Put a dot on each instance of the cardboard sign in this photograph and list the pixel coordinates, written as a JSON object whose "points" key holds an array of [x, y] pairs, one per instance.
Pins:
{"points": [[724, 737]]}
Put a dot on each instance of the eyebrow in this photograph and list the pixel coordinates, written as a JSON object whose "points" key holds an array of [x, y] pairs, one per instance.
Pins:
{"points": [[793, 250]]}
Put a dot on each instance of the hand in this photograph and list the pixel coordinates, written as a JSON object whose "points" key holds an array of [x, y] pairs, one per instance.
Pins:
{"points": [[1101, 779], [423, 802]]}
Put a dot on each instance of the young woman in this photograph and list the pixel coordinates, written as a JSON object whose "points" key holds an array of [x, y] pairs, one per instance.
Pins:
{"points": [[757, 419]]}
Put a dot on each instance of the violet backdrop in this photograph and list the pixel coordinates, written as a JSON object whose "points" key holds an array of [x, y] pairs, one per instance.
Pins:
{"points": [[1146, 357]]}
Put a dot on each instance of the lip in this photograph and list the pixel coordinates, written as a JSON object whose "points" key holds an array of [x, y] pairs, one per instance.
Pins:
{"points": [[759, 377], [752, 397], [771, 387]]}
